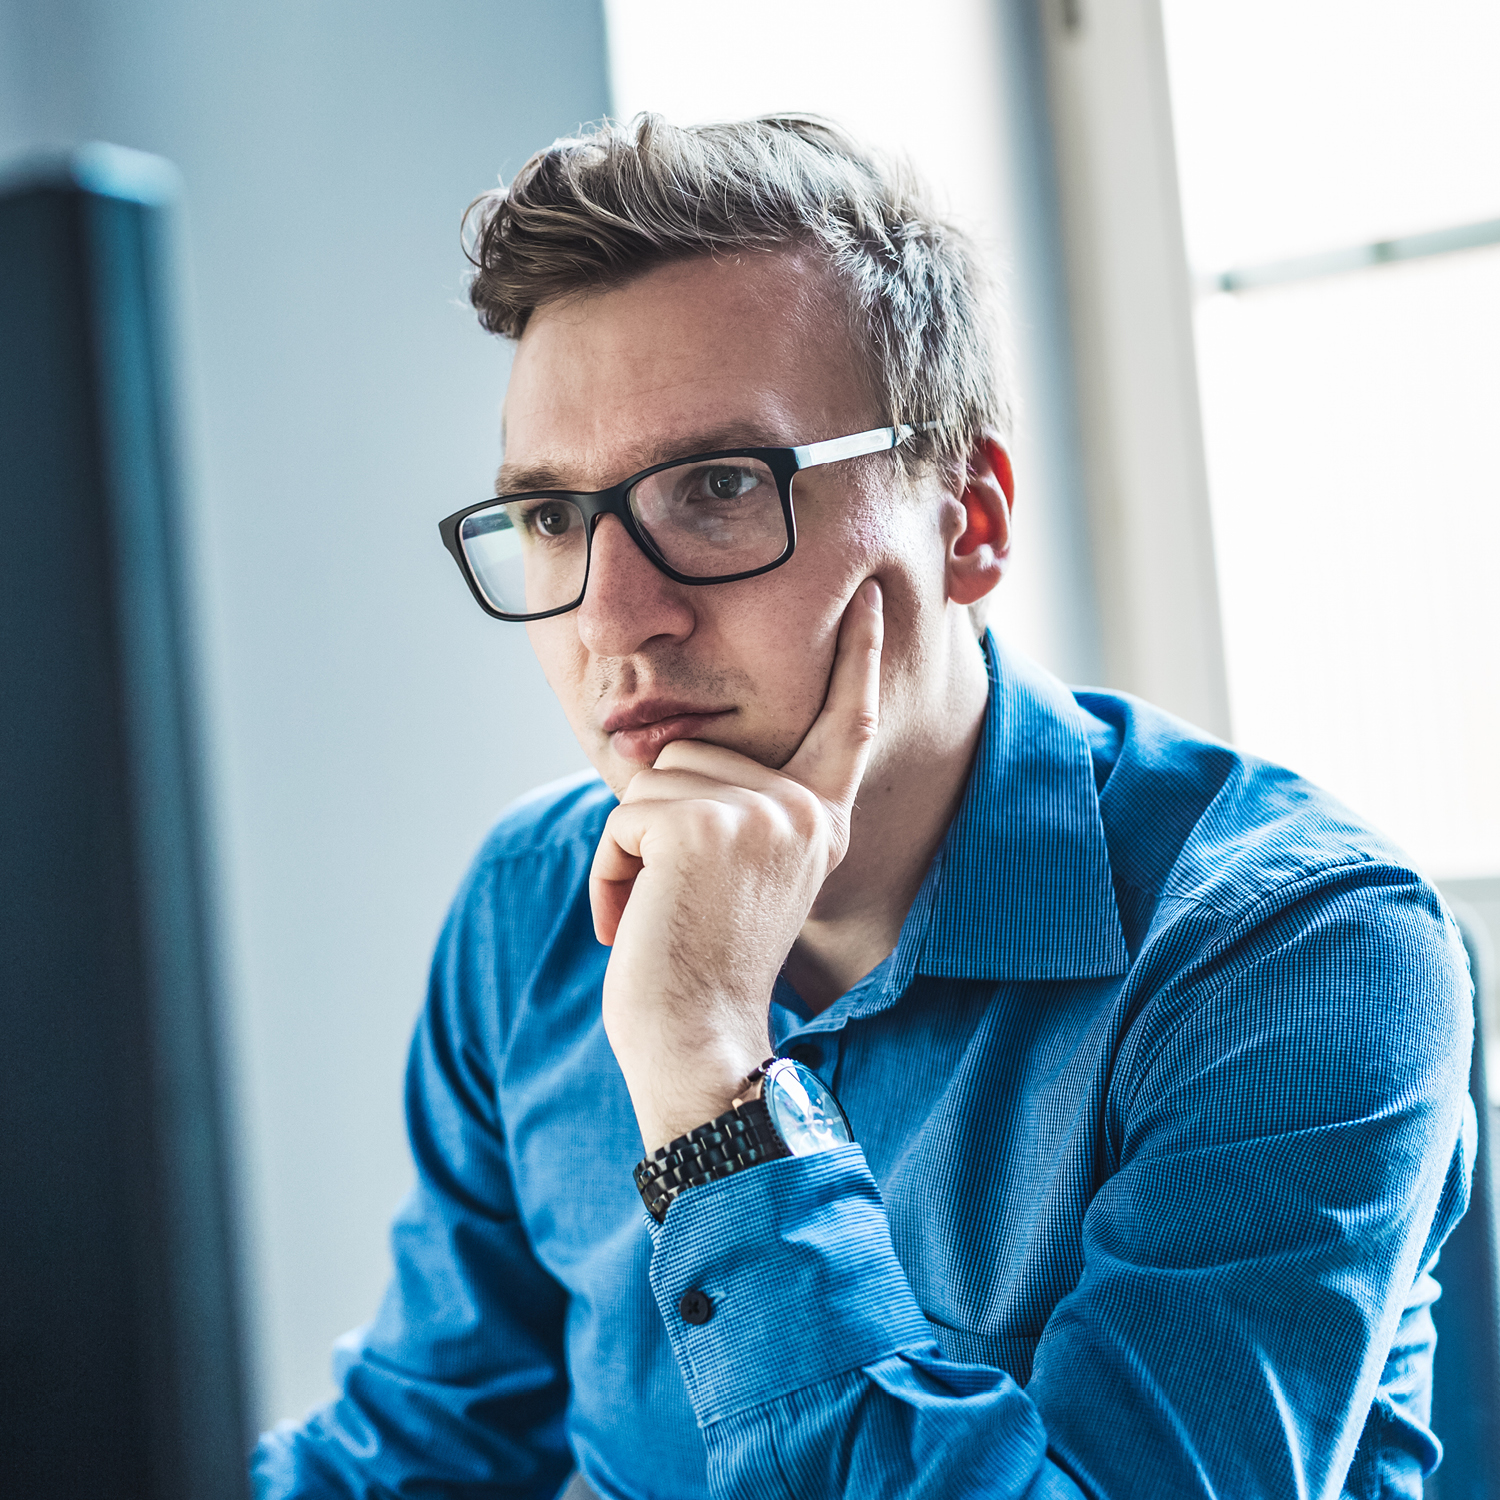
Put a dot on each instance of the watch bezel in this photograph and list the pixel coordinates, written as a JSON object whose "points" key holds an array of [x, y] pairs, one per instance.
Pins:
{"points": [[777, 1070]]}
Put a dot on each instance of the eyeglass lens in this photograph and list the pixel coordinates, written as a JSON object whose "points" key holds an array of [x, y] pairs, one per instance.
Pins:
{"points": [[704, 520]]}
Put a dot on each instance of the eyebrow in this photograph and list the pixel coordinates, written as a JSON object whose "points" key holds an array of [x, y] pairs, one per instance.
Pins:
{"points": [[549, 474]]}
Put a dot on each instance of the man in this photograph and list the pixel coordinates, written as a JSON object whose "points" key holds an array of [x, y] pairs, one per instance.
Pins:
{"points": [[1125, 1108]]}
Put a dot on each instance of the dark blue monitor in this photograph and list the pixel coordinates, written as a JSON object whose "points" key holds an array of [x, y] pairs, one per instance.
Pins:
{"points": [[120, 1369]]}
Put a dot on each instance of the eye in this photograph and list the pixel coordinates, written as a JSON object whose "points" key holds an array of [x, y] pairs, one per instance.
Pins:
{"points": [[551, 519], [725, 483]]}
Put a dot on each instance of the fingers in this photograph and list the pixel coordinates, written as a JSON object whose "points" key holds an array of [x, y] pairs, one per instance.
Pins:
{"points": [[610, 882], [617, 862], [673, 821], [685, 817], [692, 768], [831, 759], [607, 901]]}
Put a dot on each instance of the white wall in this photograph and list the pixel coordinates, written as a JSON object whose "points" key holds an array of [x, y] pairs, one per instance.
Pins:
{"points": [[1349, 418], [366, 721]]}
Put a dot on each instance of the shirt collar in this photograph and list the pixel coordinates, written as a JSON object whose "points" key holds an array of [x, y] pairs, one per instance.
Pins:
{"points": [[1021, 887]]}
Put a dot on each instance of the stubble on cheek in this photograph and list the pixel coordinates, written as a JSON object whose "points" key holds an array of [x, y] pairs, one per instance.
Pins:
{"points": [[776, 696]]}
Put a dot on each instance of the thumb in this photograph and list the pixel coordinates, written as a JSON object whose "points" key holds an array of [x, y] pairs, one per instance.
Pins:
{"points": [[832, 756]]}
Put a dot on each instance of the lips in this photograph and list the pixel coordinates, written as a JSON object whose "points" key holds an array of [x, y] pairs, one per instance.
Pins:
{"points": [[641, 731]]}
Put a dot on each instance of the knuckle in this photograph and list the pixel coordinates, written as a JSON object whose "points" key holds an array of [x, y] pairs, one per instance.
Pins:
{"points": [[710, 821], [641, 785], [807, 814], [763, 819]]}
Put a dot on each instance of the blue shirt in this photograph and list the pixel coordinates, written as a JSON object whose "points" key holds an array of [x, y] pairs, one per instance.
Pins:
{"points": [[1160, 1105]]}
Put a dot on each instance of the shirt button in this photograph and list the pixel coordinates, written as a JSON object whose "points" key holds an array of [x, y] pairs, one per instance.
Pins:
{"points": [[696, 1307], [809, 1054]]}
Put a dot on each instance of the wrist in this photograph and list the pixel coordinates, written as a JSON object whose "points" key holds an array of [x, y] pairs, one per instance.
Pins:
{"points": [[792, 1113], [673, 1104], [677, 1083]]}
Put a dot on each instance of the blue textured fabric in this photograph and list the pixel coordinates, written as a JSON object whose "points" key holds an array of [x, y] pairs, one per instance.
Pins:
{"points": [[1161, 1110]]}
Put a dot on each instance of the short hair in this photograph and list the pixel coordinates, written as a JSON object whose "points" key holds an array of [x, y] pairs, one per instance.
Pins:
{"points": [[595, 210]]}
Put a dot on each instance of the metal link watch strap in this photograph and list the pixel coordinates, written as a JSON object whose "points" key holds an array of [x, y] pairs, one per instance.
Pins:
{"points": [[741, 1137]]}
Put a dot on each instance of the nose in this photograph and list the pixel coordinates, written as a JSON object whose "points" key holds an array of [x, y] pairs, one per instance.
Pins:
{"points": [[628, 601]]}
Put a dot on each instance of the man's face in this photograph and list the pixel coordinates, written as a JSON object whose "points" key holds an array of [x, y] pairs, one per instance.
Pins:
{"points": [[702, 355]]}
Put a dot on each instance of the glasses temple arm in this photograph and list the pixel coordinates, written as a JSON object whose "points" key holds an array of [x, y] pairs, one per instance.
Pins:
{"points": [[877, 440]]}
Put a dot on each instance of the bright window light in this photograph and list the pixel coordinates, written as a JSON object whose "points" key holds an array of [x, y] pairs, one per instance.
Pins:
{"points": [[924, 86], [1305, 127], [1349, 419]]}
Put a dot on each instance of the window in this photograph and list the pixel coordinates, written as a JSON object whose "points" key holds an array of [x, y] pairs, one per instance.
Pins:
{"points": [[1331, 159]]}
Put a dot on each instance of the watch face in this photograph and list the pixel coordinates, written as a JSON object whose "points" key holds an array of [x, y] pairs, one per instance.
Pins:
{"points": [[803, 1110]]}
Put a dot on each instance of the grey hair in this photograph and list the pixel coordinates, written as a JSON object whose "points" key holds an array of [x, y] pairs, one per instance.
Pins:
{"points": [[595, 210]]}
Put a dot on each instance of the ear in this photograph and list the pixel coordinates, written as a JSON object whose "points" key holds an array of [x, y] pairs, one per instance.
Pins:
{"points": [[977, 555]]}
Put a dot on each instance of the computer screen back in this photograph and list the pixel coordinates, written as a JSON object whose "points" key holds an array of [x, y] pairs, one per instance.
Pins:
{"points": [[120, 1370]]}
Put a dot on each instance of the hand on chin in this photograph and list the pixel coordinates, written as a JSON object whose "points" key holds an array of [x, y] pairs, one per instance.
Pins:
{"points": [[703, 879]]}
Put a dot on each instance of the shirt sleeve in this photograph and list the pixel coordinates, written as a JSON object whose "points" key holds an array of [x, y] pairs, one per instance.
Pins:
{"points": [[1287, 1128], [458, 1388], [816, 1373]]}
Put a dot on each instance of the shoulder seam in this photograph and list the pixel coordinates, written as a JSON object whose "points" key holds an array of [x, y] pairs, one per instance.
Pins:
{"points": [[1308, 873], [1238, 919]]}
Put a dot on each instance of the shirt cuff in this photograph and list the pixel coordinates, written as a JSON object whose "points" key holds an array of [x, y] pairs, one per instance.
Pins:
{"points": [[780, 1277]]}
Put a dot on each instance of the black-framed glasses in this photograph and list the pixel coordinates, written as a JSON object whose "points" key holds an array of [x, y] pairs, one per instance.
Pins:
{"points": [[708, 518]]}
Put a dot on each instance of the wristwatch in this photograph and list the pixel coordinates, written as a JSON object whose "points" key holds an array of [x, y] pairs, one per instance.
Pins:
{"points": [[785, 1110]]}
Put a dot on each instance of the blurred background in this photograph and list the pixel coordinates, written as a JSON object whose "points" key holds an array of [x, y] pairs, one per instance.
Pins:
{"points": [[1253, 253]]}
